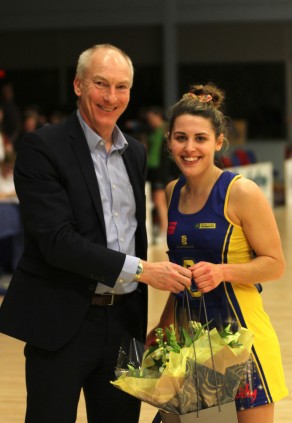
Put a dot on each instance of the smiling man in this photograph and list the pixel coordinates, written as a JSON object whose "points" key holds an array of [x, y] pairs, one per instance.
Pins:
{"points": [[80, 289], [103, 88]]}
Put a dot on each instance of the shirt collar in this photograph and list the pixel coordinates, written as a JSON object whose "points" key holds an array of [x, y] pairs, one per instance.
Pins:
{"points": [[93, 139]]}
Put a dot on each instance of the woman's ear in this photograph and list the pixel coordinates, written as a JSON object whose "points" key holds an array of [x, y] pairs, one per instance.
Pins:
{"points": [[219, 142]]}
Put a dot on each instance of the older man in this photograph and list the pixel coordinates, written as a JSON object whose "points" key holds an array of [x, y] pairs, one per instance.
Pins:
{"points": [[80, 288]]}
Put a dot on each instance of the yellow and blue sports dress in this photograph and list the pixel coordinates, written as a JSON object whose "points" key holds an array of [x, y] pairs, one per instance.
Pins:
{"points": [[209, 235]]}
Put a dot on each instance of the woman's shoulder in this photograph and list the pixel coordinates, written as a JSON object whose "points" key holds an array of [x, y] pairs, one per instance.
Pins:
{"points": [[245, 196], [243, 186]]}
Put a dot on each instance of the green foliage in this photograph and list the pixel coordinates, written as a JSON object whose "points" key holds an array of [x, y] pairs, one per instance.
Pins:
{"points": [[166, 341]]}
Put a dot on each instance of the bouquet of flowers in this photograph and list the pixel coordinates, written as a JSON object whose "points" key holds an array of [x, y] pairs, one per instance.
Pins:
{"points": [[200, 372]]}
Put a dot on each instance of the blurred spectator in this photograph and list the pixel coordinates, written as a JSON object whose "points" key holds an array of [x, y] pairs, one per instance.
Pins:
{"points": [[137, 127], [2, 138], [6, 148], [158, 166], [30, 122], [12, 116], [11, 231], [56, 116], [7, 189]]}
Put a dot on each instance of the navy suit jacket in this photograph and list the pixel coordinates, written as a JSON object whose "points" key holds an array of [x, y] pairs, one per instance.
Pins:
{"points": [[65, 253]]}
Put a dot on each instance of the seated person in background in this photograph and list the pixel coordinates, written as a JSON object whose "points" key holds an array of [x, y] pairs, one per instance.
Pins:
{"points": [[30, 122], [11, 231], [6, 148], [7, 189]]}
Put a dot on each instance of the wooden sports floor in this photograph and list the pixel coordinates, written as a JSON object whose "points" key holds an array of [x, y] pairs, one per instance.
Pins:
{"points": [[277, 297]]}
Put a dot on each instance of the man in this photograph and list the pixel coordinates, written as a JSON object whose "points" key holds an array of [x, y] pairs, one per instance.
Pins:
{"points": [[80, 288]]}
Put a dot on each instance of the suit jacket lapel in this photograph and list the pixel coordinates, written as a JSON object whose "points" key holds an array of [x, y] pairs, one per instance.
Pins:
{"points": [[81, 150]]}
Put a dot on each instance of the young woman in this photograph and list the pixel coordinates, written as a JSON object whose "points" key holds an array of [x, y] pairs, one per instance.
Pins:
{"points": [[223, 229]]}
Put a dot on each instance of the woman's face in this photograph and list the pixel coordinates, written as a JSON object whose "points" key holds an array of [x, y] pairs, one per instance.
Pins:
{"points": [[193, 144]]}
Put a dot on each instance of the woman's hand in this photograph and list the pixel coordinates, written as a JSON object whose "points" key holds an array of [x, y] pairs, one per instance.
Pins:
{"points": [[207, 276]]}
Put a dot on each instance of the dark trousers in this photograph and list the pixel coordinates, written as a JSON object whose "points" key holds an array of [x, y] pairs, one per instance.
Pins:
{"points": [[55, 379]]}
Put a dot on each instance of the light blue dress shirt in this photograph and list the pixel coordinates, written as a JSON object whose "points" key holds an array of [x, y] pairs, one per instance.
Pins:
{"points": [[118, 203]]}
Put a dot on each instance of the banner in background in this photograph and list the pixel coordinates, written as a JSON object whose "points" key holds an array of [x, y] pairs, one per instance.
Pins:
{"points": [[261, 174]]}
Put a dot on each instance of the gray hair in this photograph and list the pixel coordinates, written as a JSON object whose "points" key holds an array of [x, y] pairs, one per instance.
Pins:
{"points": [[85, 56]]}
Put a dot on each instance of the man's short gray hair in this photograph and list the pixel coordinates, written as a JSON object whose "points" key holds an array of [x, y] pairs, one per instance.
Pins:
{"points": [[85, 56]]}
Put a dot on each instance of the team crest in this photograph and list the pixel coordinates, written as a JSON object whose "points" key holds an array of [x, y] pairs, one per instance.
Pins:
{"points": [[184, 240]]}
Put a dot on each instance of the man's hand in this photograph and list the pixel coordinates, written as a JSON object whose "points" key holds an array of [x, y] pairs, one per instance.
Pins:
{"points": [[166, 276]]}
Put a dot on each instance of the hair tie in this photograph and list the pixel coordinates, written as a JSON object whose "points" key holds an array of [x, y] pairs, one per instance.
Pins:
{"points": [[203, 98]]}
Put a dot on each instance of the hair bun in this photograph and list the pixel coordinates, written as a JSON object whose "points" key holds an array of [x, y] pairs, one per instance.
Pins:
{"points": [[208, 93]]}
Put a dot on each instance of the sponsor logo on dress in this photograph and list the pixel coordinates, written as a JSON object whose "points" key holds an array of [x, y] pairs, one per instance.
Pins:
{"points": [[205, 226], [171, 228]]}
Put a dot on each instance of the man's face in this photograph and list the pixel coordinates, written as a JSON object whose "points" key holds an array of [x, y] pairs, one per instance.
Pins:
{"points": [[104, 90]]}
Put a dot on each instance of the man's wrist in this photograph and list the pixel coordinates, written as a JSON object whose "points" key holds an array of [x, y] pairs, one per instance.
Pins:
{"points": [[139, 272]]}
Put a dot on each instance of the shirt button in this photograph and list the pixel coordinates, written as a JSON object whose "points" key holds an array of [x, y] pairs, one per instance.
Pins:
{"points": [[116, 214], [121, 280], [114, 186], [101, 143], [122, 239]]}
